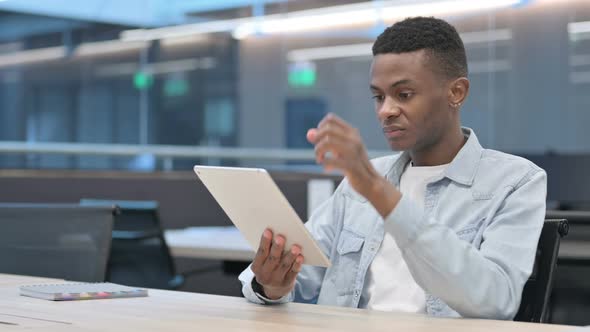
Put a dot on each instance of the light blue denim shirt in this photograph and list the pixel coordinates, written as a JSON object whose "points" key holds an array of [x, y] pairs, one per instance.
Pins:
{"points": [[470, 246]]}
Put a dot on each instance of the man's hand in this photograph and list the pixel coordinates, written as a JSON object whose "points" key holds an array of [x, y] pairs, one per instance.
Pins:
{"points": [[348, 154], [274, 269]]}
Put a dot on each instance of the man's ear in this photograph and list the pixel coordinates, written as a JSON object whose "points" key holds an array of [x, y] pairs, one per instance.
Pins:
{"points": [[458, 91]]}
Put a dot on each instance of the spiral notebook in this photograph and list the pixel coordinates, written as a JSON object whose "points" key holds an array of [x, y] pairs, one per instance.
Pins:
{"points": [[81, 291]]}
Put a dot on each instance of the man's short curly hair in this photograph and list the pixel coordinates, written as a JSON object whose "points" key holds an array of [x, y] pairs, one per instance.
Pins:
{"points": [[440, 40]]}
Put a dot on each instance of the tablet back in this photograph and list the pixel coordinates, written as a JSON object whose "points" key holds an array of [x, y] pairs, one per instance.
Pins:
{"points": [[253, 202]]}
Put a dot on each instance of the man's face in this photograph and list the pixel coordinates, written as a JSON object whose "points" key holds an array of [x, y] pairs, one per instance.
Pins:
{"points": [[410, 100]]}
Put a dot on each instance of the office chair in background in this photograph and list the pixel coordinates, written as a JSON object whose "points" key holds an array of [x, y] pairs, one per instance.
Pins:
{"points": [[139, 254], [534, 305], [64, 241]]}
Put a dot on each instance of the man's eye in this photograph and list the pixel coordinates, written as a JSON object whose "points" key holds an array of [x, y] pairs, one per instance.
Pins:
{"points": [[378, 98], [405, 95]]}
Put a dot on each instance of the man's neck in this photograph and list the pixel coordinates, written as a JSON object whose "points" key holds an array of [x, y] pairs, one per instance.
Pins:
{"points": [[442, 152]]}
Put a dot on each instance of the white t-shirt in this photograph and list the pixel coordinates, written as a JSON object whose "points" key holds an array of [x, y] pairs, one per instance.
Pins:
{"points": [[389, 285]]}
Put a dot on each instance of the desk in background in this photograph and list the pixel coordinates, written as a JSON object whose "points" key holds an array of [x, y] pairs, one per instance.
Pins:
{"points": [[227, 244], [179, 311], [221, 243]]}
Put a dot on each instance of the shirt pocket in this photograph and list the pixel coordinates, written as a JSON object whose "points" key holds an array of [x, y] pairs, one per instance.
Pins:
{"points": [[349, 250], [472, 233]]}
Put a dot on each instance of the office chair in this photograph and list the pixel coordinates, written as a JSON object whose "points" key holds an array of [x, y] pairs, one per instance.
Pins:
{"points": [[570, 299], [534, 304], [139, 253], [55, 240]]}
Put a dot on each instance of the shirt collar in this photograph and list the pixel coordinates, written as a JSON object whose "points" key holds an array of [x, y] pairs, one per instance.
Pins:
{"points": [[461, 170]]}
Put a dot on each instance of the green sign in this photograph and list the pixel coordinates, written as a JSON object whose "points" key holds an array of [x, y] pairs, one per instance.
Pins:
{"points": [[142, 80], [302, 74], [176, 87]]}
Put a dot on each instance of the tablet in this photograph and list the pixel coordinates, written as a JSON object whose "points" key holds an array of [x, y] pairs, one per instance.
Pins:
{"points": [[253, 202]]}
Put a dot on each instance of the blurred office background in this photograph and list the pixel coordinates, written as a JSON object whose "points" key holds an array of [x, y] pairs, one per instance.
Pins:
{"points": [[119, 99], [257, 74]]}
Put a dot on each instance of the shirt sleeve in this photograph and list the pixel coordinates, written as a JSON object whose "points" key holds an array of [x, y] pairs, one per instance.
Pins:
{"points": [[484, 283]]}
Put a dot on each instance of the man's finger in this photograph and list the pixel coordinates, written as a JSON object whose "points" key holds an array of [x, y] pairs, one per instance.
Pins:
{"points": [[263, 250], [333, 119], [295, 269], [331, 164], [337, 146], [311, 134], [274, 257], [287, 261], [332, 132]]}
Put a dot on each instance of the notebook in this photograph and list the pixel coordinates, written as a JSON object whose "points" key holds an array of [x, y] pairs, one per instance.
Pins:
{"points": [[81, 291]]}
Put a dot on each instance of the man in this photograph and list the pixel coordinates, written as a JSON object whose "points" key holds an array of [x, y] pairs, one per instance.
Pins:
{"points": [[445, 228]]}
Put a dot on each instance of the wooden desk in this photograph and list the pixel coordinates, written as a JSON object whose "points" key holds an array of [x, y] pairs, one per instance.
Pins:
{"points": [[179, 311], [221, 243]]}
